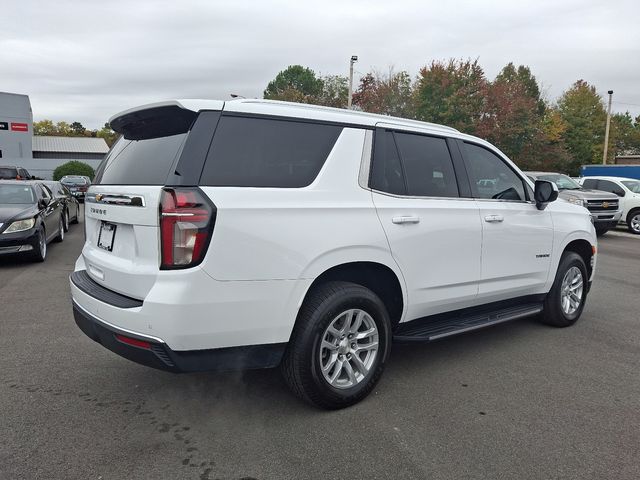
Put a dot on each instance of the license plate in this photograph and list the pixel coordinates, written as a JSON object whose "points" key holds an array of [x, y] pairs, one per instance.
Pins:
{"points": [[106, 236]]}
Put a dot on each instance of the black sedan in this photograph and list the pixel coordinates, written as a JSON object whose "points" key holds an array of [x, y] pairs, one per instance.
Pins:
{"points": [[70, 204], [30, 217]]}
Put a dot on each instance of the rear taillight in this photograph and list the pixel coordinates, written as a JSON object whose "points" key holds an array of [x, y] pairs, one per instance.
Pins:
{"points": [[187, 218]]}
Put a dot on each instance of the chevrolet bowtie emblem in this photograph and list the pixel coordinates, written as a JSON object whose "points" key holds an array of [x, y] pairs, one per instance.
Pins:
{"points": [[605, 204], [99, 197]]}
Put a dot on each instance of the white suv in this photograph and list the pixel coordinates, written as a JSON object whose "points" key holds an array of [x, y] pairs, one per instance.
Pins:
{"points": [[251, 233], [628, 189]]}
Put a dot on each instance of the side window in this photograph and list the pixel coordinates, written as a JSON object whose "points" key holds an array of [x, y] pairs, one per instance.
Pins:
{"points": [[427, 165], [607, 186], [258, 152], [490, 176], [590, 183], [386, 171]]}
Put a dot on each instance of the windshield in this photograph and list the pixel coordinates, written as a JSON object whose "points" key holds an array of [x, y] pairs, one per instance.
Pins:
{"points": [[633, 185], [562, 181], [13, 194]]}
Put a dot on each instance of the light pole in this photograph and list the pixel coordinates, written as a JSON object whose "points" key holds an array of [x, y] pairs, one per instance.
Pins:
{"points": [[354, 59], [606, 131]]}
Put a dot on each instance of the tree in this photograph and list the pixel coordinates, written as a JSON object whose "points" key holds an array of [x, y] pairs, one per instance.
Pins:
{"points": [[78, 129], [44, 127], [513, 114], [295, 84], [583, 112], [624, 136], [387, 94], [335, 90], [73, 167], [107, 133], [452, 93]]}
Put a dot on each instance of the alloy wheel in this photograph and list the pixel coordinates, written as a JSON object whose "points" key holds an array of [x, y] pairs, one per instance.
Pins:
{"points": [[571, 291], [349, 348]]}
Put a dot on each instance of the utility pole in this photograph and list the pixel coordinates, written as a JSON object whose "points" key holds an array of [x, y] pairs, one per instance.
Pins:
{"points": [[606, 131], [354, 59]]}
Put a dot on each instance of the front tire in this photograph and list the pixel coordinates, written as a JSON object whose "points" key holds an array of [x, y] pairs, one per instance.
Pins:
{"points": [[40, 248], [633, 222], [565, 301], [601, 231], [65, 220], [339, 345]]}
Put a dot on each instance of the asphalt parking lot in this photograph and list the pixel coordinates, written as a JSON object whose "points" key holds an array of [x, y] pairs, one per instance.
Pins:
{"points": [[517, 401]]}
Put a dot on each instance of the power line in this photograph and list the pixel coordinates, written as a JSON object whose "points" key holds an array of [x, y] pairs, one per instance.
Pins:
{"points": [[625, 103]]}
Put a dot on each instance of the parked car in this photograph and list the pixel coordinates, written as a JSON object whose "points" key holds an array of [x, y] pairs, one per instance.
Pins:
{"points": [[269, 233], [14, 173], [77, 185], [30, 217], [628, 192], [604, 207], [71, 206]]}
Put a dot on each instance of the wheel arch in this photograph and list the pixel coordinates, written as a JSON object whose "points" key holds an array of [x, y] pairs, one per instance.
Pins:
{"points": [[583, 248], [383, 280]]}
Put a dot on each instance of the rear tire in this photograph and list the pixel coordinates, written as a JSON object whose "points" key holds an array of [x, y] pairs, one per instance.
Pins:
{"points": [[633, 221], [339, 345], [61, 230], [565, 301]]}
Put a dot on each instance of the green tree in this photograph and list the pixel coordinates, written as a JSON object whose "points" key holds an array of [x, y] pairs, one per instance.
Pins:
{"points": [[295, 84], [624, 136], [44, 127], [78, 129], [387, 94], [583, 112], [107, 133], [73, 167], [452, 93]]}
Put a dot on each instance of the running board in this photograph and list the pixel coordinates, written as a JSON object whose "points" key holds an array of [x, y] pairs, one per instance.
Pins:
{"points": [[434, 328]]}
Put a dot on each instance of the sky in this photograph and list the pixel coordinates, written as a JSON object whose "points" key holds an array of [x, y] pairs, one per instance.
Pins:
{"points": [[87, 60]]}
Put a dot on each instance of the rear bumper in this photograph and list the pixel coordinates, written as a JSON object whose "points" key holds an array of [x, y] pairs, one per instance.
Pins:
{"points": [[153, 352]]}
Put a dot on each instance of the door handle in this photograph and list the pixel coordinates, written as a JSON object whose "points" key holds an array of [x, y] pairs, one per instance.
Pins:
{"points": [[399, 220], [493, 218]]}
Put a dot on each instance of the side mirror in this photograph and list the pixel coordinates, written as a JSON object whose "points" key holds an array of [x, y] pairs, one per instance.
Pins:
{"points": [[619, 192], [545, 192]]}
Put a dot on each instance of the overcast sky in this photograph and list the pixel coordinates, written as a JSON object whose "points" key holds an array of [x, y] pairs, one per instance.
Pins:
{"points": [[86, 60]]}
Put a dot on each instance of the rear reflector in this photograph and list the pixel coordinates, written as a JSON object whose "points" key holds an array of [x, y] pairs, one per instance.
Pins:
{"points": [[187, 218], [133, 342]]}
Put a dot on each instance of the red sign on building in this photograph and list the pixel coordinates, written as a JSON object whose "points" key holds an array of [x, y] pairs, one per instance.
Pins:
{"points": [[19, 127]]}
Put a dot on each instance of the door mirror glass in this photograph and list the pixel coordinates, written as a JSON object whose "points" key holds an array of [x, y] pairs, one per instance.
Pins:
{"points": [[545, 192]]}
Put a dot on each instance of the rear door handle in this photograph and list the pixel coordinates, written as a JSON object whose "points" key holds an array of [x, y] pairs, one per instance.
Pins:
{"points": [[399, 220], [493, 218]]}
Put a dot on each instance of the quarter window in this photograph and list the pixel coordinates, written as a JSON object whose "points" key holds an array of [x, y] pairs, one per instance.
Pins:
{"points": [[258, 152], [490, 176]]}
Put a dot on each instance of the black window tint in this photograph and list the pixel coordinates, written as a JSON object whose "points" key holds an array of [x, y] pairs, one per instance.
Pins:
{"points": [[427, 164], [139, 162], [258, 152], [590, 183], [607, 186], [490, 176], [386, 171]]}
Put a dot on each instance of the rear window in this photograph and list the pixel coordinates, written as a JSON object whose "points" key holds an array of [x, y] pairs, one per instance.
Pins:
{"points": [[259, 152], [140, 162], [6, 173]]}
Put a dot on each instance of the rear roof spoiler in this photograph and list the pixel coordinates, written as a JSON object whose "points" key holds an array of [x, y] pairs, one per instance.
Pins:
{"points": [[159, 119]]}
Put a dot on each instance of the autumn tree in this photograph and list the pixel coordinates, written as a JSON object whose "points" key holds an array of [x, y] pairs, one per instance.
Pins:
{"points": [[452, 93], [108, 134], [335, 90], [583, 112], [387, 94]]}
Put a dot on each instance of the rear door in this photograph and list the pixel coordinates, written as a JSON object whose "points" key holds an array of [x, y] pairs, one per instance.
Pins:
{"points": [[433, 228], [122, 248]]}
